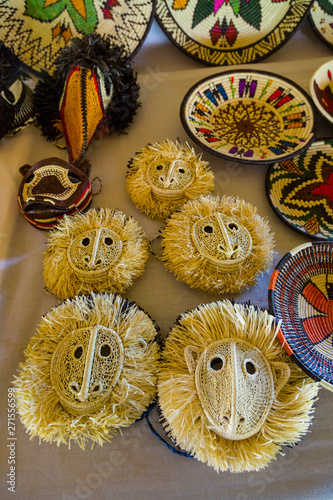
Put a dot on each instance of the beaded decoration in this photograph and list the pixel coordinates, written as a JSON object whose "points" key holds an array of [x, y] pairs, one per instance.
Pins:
{"points": [[163, 176], [218, 245], [230, 32], [321, 18], [228, 393], [16, 98], [300, 190], [90, 369], [92, 92], [301, 297], [38, 30], [52, 188], [249, 116], [101, 250]]}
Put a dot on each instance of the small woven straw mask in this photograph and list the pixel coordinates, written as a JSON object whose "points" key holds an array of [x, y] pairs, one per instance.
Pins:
{"points": [[52, 188], [101, 250], [222, 240], [217, 244], [93, 360], [235, 385], [164, 176]]}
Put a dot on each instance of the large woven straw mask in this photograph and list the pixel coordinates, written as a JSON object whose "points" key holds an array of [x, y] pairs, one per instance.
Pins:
{"points": [[90, 369], [226, 385]]}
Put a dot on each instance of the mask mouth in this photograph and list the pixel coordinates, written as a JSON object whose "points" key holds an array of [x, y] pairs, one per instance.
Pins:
{"points": [[41, 207]]}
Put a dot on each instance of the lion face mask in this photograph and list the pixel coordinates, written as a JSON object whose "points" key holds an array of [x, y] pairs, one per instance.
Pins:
{"points": [[223, 364], [89, 370]]}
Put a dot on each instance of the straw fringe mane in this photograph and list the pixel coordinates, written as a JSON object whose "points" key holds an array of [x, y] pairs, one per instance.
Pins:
{"points": [[182, 258], [288, 419], [62, 280], [140, 191], [38, 404]]}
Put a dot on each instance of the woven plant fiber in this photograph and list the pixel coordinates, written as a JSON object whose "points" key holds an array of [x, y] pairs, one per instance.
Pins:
{"points": [[301, 297], [38, 30], [321, 90], [132, 360], [101, 250], [249, 116], [194, 362], [299, 190], [321, 18], [231, 32], [164, 176], [217, 244]]}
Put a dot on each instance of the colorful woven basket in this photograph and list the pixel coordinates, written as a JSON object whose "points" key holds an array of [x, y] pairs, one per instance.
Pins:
{"points": [[218, 32], [37, 30], [300, 190], [321, 88], [301, 297], [321, 18], [249, 116]]}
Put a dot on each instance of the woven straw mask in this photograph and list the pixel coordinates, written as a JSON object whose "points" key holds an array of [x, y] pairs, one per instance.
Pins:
{"points": [[52, 188], [93, 361], [101, 250], [164, 176], [90, 369], [217, 244], [235, 385], [222, 240], [229, 395]]}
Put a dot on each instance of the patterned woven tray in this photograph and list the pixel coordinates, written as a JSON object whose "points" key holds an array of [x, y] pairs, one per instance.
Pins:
{"points": [[218, 32], [301, 296], [300, 190], [321, 88], [321, 18], [37, 30], [249, 116]]}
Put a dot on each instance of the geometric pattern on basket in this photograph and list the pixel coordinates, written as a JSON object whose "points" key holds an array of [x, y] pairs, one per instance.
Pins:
{"points": [[237, 31], [235, 386], [249, 116], [321, 89], [222, 240], [301, 296], [85, 366], [300, 190], [321, 17], [93, 252], [37, 31]]}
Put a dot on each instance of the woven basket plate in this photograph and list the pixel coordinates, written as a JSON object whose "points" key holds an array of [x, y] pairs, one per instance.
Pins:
{"points": [[321, 17], [219, 32], [301, 296], [249, 116], [321, 88], [300, 190], [37, 30]]}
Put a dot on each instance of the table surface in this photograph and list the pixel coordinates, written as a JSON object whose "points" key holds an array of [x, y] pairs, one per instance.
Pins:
{"points": [[136, 465]]}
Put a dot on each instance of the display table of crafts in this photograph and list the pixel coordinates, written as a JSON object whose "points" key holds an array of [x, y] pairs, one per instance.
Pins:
{"points": [[137, 465]]}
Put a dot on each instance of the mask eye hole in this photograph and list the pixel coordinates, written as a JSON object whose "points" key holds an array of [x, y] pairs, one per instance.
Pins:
{"points": [[74, 388], [8, 96], [105, 351], [12, 95], [159, 167], [232, 226], [78, 352], [181, 170], [216, 364], [208, 229], [108, 241], [250, 367], [85, 242], [73, 178]]}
